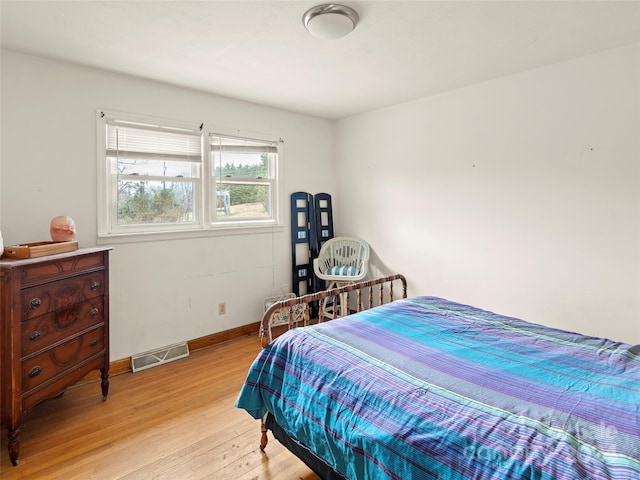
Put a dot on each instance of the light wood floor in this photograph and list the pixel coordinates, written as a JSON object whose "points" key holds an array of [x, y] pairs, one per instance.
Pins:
{"points": [[176, 421]]}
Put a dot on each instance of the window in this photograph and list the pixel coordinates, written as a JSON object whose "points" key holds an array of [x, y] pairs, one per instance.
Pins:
{"points": [[242, 170], [153, 178]]}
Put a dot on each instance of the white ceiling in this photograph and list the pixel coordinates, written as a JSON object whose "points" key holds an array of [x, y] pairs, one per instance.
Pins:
{"points": [[259, 50]]}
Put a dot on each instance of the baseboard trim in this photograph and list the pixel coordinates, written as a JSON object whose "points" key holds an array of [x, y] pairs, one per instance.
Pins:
{"points": [[123, 365], [224, 336]]}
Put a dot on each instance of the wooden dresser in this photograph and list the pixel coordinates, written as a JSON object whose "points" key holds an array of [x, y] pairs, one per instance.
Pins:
{"points": [[54, 329]]}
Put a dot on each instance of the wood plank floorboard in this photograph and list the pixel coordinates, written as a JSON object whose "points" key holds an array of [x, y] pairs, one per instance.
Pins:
{"points": [[176, 422]]}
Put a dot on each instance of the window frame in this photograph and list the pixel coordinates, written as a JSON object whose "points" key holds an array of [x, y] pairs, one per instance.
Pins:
{"points": [[206, 221], [270, 180]]}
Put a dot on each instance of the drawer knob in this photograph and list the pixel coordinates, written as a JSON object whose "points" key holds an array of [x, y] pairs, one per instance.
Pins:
{"points": [[93, 312], [95, 341], [35, 371], [35, 335], [35, 303], [95, 286]]}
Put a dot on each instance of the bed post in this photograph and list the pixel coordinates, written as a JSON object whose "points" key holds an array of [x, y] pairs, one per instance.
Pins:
{"points": [[263, 438]]}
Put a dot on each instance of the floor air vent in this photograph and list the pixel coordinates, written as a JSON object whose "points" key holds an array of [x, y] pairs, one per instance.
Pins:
{"points": [[162, 355]]}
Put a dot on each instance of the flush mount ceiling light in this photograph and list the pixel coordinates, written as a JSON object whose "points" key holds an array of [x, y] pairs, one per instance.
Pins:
{"points": [[330, 20]]}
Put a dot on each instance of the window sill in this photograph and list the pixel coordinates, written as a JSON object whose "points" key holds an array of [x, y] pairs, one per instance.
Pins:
{"points": [[219, 231]]}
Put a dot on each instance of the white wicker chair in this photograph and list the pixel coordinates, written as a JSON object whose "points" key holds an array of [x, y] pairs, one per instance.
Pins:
{"points": [[342, 260]]}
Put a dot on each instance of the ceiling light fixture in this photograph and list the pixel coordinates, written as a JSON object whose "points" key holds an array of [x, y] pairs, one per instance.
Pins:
{"points": [[330, 21]]}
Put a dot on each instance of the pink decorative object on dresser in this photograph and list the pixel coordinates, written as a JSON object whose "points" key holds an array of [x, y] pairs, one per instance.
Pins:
{"points": [[62, 229]]}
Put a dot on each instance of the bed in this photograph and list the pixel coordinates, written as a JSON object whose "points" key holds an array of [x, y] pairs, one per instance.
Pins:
{"points": [[426, 388]]}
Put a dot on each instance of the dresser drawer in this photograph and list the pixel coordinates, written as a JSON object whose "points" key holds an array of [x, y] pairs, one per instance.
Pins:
{"points": [[58, 385], [45, 298], [40, 332], [39, 270], [46, 365]]}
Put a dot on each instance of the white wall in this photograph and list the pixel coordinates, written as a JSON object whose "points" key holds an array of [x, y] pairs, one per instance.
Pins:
{"points": [[519, 195], [161, 292]]}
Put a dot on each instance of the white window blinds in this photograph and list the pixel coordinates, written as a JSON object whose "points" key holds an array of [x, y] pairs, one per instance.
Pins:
{"points": [[241, 145], [130, 140]]}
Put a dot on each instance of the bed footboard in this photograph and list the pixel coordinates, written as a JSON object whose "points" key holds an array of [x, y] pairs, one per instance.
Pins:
{"points": [[357, 296]]}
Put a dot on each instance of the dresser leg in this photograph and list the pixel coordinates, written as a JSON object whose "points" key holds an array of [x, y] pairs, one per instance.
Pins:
{"points": [[14, 446], [105, 383]]}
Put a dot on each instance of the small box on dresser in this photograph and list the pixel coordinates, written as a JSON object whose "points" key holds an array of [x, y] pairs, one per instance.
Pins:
{"points": [[54, 329]]}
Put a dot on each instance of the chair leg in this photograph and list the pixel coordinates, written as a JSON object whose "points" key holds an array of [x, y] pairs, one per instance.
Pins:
{"points": [[327, 313], [344, 308]]}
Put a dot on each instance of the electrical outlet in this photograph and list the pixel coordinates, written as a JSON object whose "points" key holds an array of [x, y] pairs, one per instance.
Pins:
{"points": [[222, 308]]}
